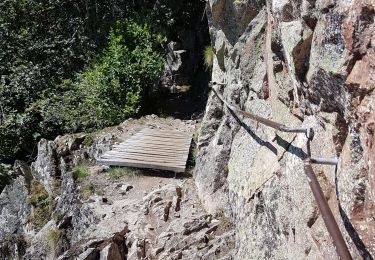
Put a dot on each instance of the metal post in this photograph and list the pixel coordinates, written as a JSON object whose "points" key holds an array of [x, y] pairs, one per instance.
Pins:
{"points": [[218, 83], [329, 220]]}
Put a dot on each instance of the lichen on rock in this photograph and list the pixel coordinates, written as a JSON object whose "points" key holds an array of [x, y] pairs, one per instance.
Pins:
{"points": [[297, 63]]}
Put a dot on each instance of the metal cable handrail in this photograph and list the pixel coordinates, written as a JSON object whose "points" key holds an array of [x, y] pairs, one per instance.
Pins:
{"points": [[306, 130], [327, 215]]}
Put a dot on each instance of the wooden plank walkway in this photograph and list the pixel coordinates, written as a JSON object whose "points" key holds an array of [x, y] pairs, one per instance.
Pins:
{"points": [[160, 149]]}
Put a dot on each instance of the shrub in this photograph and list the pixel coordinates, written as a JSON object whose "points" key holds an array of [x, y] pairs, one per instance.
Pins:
{"points": [[17, 131], [89, 140], [208, 57], [81, 171], [42, 43], [37, 102], [111, 89]]}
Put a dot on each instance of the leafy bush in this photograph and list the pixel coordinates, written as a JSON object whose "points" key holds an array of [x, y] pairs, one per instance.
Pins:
{"points": [[16, 134], [89, 139], [44, 44], [13, 245], [111, 89]]}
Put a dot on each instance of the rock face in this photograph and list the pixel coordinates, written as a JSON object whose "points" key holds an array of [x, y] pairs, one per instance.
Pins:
{"points": [[308, 63], [14, 213], [67, 207], [184, 63]]}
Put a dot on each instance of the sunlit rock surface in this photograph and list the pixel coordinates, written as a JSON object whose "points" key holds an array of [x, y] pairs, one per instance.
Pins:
{"points": [[307, 63]]}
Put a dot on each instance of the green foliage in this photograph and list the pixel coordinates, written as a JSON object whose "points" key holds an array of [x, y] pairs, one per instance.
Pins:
{"points": [[89, 140], [119, 172], [208, 57], [16, 134], [111, 89], [63, 69], [57, 217], [81, 171], [42, 43]]}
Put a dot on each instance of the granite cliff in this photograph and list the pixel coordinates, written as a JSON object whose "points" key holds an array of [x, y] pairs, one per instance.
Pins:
{"points": [[308, 63]]}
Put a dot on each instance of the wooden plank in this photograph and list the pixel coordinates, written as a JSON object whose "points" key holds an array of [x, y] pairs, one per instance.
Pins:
{"points": [[145, 156], [162, 142], [177, 164], [159, 141], [148, 153], [152, 154], [158, 138], [142, 157], [128, 163], [149, 150], [143, 146], [163, 136], [154, 145], [167, 163], [164, 131], [152, 148], [142, 162]]}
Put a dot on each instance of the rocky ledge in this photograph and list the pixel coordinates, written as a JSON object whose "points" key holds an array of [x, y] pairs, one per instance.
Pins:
{"points": [[66, 207]]}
